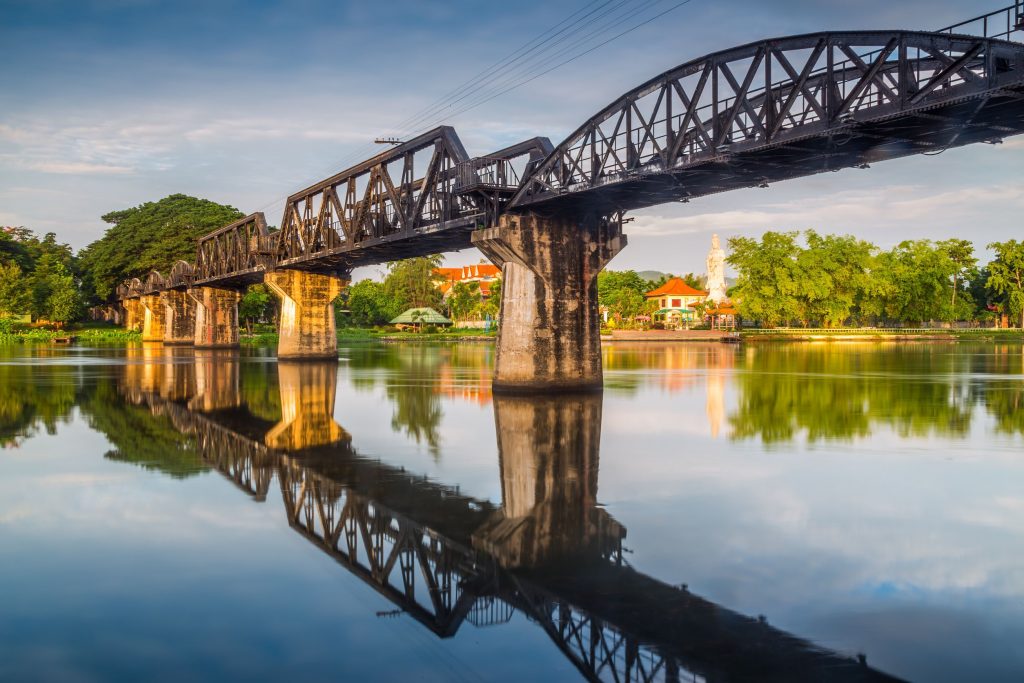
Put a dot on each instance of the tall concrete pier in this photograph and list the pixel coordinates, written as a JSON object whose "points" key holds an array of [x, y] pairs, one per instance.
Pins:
{"points": [[550, 335], [133, 315], [306, 328], [179, 317], [216, 317], [152, 318]]}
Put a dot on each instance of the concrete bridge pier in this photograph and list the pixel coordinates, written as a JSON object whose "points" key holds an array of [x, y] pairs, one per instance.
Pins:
{"points": [[216, 317], [179, 317], [152, 318], [112, 313], [306, 329], [133, 315], [550, 336]]}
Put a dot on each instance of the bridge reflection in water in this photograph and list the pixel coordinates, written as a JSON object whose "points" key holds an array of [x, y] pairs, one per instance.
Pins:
{"points": [[548, 551]]}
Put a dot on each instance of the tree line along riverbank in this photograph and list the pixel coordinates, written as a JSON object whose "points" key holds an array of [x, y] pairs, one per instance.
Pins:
{"points": [[782, 279]]}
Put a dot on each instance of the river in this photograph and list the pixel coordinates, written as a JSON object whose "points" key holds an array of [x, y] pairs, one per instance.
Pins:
{"points": [[766, 511]]}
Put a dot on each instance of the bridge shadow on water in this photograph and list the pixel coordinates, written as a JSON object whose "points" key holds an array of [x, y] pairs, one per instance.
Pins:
{"points": [[548, 551]]}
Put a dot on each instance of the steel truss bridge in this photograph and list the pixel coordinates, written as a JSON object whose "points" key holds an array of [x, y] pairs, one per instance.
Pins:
{"points": [[418, 544], [744, 117]]}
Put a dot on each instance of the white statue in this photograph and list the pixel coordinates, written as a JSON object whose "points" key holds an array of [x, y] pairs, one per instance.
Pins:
{"points": [[716, 271]]}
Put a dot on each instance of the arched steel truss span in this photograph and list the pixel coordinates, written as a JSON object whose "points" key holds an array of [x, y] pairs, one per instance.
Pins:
{"points": [[783, 108]]}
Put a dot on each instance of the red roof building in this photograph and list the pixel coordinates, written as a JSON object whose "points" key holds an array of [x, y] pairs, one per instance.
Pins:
{"points": [[675, 301], [676, 286], [482, 273]]}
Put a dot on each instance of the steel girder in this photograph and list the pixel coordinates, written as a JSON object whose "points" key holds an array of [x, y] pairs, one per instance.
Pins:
{"points": [[234, 256], [180, 276], [783, 108], [154, 283], [407, 201]]}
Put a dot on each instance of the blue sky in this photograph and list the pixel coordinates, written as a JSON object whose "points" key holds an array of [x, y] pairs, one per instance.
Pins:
{"points": [[110, 104]]}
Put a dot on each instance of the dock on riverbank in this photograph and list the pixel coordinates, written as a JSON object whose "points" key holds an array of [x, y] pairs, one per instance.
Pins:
{"points": [[669, 336]]}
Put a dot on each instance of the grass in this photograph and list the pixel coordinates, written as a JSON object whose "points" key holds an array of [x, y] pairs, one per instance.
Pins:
{"points": [[91, 335]]}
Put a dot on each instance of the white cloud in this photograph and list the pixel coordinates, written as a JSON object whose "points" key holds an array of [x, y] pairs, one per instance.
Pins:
{"points": [[848, 210], [78, 167]]}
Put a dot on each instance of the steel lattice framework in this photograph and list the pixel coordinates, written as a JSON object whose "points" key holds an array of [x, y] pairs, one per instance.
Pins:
{"points": [[748, 116], [180, 276], [235, 255], [779, 109], [420, 197], [154, 283]]}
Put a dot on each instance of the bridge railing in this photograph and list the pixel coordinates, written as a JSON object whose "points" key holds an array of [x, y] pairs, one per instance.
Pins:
{"points": [[486, 173], [764, 94], [1003, 24]]}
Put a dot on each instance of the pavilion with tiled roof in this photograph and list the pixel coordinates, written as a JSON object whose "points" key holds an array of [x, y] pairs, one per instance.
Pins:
{"points": [[676, 300]]}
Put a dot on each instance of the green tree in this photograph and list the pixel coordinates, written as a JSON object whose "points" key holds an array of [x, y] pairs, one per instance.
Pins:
{"points": [[1006, 275], [64, 302], [369, 303], [257, 305], [464, 300], [911, 282], [622, 292], [151, 236], [767, 286], [414, 282], [13, 247], [491, 306], [963, 265], [15, 296], [833, 273]]}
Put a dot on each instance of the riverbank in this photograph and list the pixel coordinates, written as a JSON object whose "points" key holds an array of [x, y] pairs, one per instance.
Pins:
{"points": [[90, 335], [884, 334]]}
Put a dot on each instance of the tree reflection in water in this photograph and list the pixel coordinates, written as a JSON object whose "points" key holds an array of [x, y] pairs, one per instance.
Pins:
{"points": [[415, 377], [844, 391], [30, 400]]}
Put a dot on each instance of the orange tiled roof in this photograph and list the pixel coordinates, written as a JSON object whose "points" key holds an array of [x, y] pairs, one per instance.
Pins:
{"points": [[473, 272], [675, 287]]}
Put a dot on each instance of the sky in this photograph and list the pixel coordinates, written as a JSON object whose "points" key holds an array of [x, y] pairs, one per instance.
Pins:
{"points": [[107, 105]]}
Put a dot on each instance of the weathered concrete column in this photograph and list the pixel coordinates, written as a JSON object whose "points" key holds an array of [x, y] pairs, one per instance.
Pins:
{"points": [[307, 407], [179, 317], [550, 335], [152, 318], [306, 328], [216, 317], [133, 315], [548, 449]]}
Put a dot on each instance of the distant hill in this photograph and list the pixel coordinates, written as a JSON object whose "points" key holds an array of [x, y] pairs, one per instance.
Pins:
{"points": [[650, 274]]}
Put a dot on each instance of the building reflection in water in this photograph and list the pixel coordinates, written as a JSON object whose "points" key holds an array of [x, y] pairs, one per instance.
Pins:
{"points": [[548, 551]]}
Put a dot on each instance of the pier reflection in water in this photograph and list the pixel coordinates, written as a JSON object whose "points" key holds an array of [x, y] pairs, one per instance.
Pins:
{"points": [[862, 497], [549, 551]]}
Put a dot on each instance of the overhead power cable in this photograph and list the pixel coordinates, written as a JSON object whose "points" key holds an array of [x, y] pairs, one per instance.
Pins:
{"points": [[527, 63]]}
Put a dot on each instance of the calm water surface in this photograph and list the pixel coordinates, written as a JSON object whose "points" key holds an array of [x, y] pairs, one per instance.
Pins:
{"points": [[764, 512]]}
